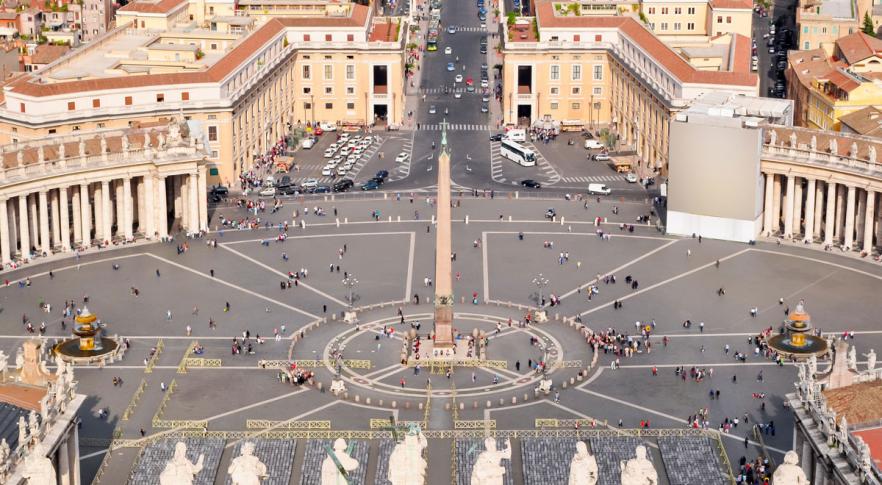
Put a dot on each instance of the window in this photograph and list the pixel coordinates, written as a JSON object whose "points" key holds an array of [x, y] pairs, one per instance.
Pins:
{"points": [[350, 90], [307, 73], [577, 38], [678, 10], [555, 72], [52, 131], [806, 46], [213, 47], [651, 25], [71, 106], [728, 20], [577, 91], [690, 10], [651, 10], [329, 90], [805, 30], [664, 26], [96, 103], [598, 91], [329, 71], [677, 25], [719, 19], [214, 154], [185, 96], [598, 38], [307, 90], [554, 105], [690, 26], [350, 71], [664, 10], [350, 38], [597, 106], [212, 133], [212, 117], [306, 38], [160, 98], [328, 37], [307, 105], [329, 105], [576, 105], [554, 91], [577, 72], [598, 72], [128, 101], [350, 106]]}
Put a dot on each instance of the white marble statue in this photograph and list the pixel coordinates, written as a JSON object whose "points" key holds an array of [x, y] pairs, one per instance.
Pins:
{"points": [[871, 359], [82, 147], [38, 469], [33, 425], [247, 469], [406, 463], [61, 149], [4, 362], [773, 138], [180, 470], [789, 472], [41, 154], [872, 155], [103, 141], [124, 141], [22, 431], [161, 142], [583, 467], [488, 469], [814, 143], [174, 131], [800, 371], [812, 366], [864, 451], [792, 139], [852, 358], [854, 150], [834, 146], [638, 470], [330, 473], [19, 157], [843, 430], [4, 451]]}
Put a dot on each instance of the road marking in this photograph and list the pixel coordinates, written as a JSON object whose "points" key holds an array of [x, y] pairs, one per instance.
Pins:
{"points": [[486, 269], [664, 282], [231, 285]]}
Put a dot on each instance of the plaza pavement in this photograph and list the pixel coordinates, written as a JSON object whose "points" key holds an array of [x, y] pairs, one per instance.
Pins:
{"points": [[390, 261]]}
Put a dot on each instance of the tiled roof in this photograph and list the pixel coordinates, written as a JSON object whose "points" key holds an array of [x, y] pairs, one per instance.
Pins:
{"points": [[31, 86], [865, 121], [47, 53], [859, 403], [670, 60], [843, 81], [809, 65], [858, 46], [384, 32], [731, 4], [148, 6]]}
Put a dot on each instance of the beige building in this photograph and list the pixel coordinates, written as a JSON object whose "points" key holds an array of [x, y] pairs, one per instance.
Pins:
{"points": [[245, 83], [626, 77], [819, 23], [680, 22]]}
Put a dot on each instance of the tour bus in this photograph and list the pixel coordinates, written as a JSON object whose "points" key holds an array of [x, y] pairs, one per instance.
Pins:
{"points": [[516, 153], [432, 41]]}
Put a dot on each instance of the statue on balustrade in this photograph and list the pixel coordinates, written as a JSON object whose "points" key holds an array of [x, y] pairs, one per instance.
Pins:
{"points": [[124, 141], [180, 470], [638, 470], [19, 157], [41, 154], [842, 435], [814, 143], [337, 463], [792, 139], [247, 469], [854, 150], [852, 358], [488, 469], [834, 146], [103, 141], [38, 469], [82, 147], [789, 472], [61, 150], [583, 466], [406, 463], [871, 359], [773, 138]]}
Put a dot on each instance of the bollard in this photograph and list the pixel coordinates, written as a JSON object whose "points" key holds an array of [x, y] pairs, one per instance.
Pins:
{"points": [[564, 385], [406, 404], [561, 220], [345, 395], [390, 218], [501, 402], [420, 406], [399, 218], [367, 400], [467, 219], [357, 398], [509, 218], [381, 402], [345, 220], [517, 195], [474, 404], [489, 403], [461, 406], [385, 196], [321, 386], [333, 316], [447, 406], [526, 397], [433, 218], [514, 399]]}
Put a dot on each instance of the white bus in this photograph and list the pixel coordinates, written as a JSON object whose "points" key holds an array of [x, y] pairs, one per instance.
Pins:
{"points": [[517, 154]]}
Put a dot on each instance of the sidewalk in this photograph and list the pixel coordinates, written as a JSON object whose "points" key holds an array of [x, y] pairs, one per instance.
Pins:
{"points": [[495, 120], [412, 86]]}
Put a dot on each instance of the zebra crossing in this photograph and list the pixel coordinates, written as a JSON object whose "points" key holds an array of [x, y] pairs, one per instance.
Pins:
{"points": [[440, 90], [596, 178], [402, 169], [497, 164], [470, 29], [544, 165], [454, 127]]}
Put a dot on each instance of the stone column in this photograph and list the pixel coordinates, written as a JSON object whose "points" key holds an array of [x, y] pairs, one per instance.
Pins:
{"points": [[119, 205], [193, 203], [860, 198], [183, 195], [11, 210], [203, 198], [776, 204], [77, 216], [128, 211], [24, 236], [819, 208], [74, 454], [86, 205], [105, 207], [176, 196], [45, 246], [810, 211], [56, 225], [161, 208], [139, 201], [830, 215], [147, 222], [63, 464], [797, 208], [788, 207], [34, 221], [840, 212], [5, 250], [869, 221], [64, 220], [768, 205], [849, 218]]}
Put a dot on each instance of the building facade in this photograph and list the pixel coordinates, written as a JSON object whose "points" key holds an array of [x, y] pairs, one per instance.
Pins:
{"points": [[820, 23]]}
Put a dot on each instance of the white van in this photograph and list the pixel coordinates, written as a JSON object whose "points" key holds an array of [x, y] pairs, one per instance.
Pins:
{"points": [[327, 126], [307, 143], [516, 134], [591, 143], [601, 189]]}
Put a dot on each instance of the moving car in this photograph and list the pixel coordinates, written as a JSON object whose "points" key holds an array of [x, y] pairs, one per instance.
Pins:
{"points": [[496, 137], [531, 184], [328, 126], [458, 78], [593, 144], [268, 191], [432, 109], [600, 189], [457, 94], [401, 157], [370, 185], [600, 157], [485, 108], [310, 183], [448, 50], [450, 66], [307, 143], [631, 177], [343, 185], [451, 29], [382, 174]]}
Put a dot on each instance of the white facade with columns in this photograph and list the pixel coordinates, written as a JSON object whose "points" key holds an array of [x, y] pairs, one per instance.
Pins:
{"points": [[106, 188]]}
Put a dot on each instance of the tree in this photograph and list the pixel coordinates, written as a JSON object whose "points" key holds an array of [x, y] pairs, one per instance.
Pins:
{"points": [[868, 27]]}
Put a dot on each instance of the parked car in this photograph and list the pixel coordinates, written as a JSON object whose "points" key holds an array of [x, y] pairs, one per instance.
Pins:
{"points": [[592, 144], [601, 157], [321, 189], [327, 126], [598, 189], [267, 191], [631, 177], [531, 184], [343, 185], [310, 183], [382, 174], [370, 185], [496, 137]]}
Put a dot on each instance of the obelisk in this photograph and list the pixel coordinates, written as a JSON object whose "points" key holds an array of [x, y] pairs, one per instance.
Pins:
{"points": [[443, 278]]}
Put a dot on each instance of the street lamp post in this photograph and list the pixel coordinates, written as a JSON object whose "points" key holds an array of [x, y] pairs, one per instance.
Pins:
{"points": [[540, 282], [350, 282]]}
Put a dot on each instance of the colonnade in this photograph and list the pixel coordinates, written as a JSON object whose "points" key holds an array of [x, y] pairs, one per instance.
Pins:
{"points": [[71, 215], [822, 210]]}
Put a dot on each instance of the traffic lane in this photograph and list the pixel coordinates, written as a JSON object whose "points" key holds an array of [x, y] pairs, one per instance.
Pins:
{"points": [[469, 161], [384, 158]]}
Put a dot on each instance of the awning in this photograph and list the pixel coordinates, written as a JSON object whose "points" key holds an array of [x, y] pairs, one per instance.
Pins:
{"points": [[546, 125]]}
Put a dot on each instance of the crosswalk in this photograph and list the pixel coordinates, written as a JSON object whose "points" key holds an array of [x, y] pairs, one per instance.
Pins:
{"points": [[596, 178], [476, 92], [497, 165], [544, 165], [469, 29], [402, 169], [454, 127]]}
